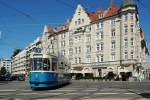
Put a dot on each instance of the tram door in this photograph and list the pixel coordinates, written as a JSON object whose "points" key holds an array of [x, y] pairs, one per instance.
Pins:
{"points": [[100, 72]]}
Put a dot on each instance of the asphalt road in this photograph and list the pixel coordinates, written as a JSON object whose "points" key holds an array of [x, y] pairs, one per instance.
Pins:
{"points": [[77, 90]]}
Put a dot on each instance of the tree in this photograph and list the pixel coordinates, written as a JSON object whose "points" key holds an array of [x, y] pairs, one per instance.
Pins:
{"points": [[3, 71], [16, 51]]}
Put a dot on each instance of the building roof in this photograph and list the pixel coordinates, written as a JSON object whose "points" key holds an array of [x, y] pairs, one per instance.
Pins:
{"points": [[112, 10], [48, 29], [94, 16]]}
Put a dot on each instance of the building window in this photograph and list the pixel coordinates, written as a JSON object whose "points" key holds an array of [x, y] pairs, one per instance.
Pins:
{"points": [[79, 60], [77, 39], [100, 58], [63, 52], [125, 42], [88, 38], [79, 21], [63, 35], [97, 26], [125, 17], [131, 54], [70, 42], [113, 45], [126, 55], [63, 44], [132, 27], [88, 59], [79, 12], [98, 46], [82, 20], [100, 25], [99, 35], [88, 49], [132, 16], [113, 22], [126, 29], [113, 33], [77, 50], [101, 46], [131, 41], [101, 15], [113, 56], [70, 51], [76, 60]]}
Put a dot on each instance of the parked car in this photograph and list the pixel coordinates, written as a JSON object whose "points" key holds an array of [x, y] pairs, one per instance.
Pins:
{"points": [[2, 78], [21, 77]]}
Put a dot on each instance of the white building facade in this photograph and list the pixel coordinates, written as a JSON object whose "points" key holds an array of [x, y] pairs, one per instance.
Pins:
{"points": [[19, 64], [101, 42], [6, 63]]}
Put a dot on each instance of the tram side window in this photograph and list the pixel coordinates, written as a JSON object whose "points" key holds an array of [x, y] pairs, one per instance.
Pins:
{"points": [[54, 64], [46, 65]]}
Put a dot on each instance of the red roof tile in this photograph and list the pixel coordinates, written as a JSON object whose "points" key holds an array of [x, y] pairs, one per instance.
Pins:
{"points": [[50, 30], [112, 10]]}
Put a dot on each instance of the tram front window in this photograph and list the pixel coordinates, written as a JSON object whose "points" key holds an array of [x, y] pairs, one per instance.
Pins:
{"points": [[37, 64], [41, 64]]}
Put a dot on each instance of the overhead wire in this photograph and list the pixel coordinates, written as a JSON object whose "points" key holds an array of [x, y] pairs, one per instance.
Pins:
{"points": [[142, 4], [15, 9], [65, 3]]}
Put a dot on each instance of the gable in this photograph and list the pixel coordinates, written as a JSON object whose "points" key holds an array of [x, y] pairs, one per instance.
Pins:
{"points": [[79, 19]]}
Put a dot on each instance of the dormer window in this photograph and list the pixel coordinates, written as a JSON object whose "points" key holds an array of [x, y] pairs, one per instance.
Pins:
{"points": [[101, 15]]}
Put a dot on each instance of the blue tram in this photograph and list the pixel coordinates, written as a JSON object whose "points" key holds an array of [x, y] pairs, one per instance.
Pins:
{"points": [[46, 72]]}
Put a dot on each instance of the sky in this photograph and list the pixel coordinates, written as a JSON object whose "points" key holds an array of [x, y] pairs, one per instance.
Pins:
{"points": [[22, 21]]}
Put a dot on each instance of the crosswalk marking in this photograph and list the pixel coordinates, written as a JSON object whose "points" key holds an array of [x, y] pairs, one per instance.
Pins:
{"points": [[129, 93], [76, 94], [26, 90], [55, 99], [4, 94], [90, 90], [27, 93], [11, 90], [7, 90], [63, 90], [105, 93], [50, 94], [108, 99]]}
